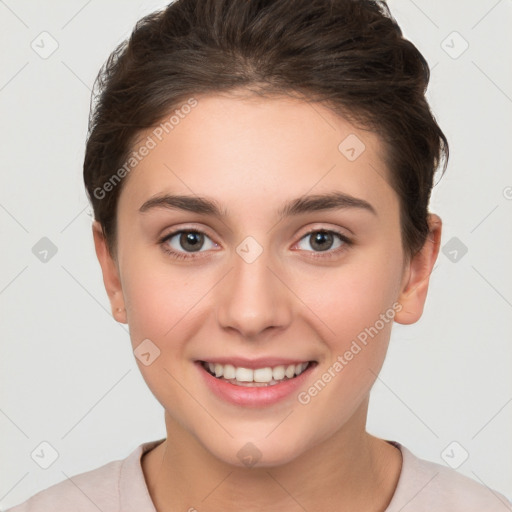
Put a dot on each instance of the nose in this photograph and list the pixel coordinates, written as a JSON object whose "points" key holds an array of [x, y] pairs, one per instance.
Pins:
{"points": [[254, 298]]}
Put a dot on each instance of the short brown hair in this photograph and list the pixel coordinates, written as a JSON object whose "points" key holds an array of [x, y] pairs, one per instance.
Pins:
{"points": [[348, 54]]}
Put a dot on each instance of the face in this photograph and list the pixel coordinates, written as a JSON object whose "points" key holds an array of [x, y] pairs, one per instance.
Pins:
{"points": [[254, 280]]}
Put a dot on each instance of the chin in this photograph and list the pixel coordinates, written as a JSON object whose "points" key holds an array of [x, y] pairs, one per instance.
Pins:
{"points": [[255, 454]]}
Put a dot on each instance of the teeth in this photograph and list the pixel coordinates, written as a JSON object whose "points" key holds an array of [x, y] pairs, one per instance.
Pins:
{"points": [[278, 373], [244, 375], [262, 375], [290, 371], [265, 375], [229, 371]]}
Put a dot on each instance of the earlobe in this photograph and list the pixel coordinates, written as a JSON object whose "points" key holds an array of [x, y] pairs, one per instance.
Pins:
{"points": [[414, 290], [110, 273]]}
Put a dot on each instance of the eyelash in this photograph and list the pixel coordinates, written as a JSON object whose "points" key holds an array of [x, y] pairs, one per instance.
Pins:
{"points": [[315, 254]]}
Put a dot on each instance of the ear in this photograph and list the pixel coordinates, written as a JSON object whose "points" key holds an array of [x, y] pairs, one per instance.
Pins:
{"points": [[416, 277], [110, 272]]}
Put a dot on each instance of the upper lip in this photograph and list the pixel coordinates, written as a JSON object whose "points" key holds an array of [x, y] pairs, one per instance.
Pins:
{"points": [[262, 362]]}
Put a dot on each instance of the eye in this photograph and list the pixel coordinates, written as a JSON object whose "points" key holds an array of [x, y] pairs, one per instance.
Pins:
{"points": [[322, 240], [179, 243], [182, 244]]}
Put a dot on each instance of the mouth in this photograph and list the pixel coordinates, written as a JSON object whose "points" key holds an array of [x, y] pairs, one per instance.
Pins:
{"points": [[264, 376]]}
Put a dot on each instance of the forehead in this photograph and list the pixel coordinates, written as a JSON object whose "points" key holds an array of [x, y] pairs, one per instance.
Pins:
{"points": [[255, 151]]}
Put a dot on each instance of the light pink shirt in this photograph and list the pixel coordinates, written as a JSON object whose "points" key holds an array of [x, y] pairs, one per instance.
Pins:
{"points": [[119, 486]]}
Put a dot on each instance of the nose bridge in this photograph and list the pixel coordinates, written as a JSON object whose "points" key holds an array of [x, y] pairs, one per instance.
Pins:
{"points": [[252, 298]]}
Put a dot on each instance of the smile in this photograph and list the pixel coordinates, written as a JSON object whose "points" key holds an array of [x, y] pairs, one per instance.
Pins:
{"points": [[255, 383], [267, 376]]}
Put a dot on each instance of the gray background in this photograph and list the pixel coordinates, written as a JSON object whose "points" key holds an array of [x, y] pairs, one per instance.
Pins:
{"points": [[68, 376]]}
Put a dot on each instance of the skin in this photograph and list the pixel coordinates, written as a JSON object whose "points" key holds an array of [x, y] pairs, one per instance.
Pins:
{"points": [[252, 154]]}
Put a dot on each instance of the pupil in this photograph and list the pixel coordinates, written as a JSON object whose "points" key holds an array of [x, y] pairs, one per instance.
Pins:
{"points": [[320, 238], [191, 240]]}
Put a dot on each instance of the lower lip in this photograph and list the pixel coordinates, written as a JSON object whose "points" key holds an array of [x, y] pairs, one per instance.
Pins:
{"points": [[254, 396]]}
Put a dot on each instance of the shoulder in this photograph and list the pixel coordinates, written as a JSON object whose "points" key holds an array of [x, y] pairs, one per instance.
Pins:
{"points": [[118, 485], [427, 486], [90, 491]]}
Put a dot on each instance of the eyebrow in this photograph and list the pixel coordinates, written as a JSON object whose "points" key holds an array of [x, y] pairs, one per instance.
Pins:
{"points": [[300, 205]]}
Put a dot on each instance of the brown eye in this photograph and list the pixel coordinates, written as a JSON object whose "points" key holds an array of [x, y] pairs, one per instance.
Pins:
{"points": [[324, 241], [184, 242], [191, 240], [321, 240]]}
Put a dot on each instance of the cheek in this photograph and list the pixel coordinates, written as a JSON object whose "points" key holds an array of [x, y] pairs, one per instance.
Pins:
{"points": [[350, 298], [157, 297], [357, 307], [350, 301], [161, 306]]}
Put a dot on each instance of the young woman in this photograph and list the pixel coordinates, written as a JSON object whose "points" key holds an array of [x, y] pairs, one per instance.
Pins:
{"points": [[260, 174]]}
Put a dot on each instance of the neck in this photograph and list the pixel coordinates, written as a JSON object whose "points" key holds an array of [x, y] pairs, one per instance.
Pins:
{"points": [[351, 470]]}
